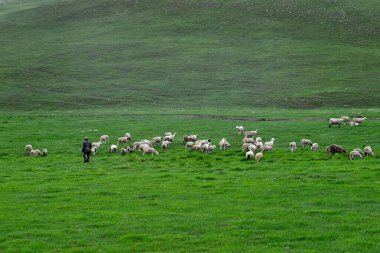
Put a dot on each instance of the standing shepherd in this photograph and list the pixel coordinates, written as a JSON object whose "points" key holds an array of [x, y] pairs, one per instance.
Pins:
{"points": [[86, 150]]}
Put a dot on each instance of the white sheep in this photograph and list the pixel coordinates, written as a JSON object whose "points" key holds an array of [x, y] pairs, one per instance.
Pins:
{"points": [[94, 150], [150, 150], [266, 148], [355, 154], [368, 151], [129, 136], [144, 146], [104, 139], [359, 150], [37, 152], [250, 134], [259, 156], [248, 146], [270, 143], [359, 120], [259, 145], [249, 155], [197, 146], [113, 148], [191, 138], [293, 146], [44, 152], [346, 119], [335, 121], [240, 130], [305, 142], [248, 140], [96, 144], [123, 140], [156, 139], [314, 147], [28, 148], [223, 144], [169, 137], [352, 123], [165, 144], [258, 139], [189, 144]]}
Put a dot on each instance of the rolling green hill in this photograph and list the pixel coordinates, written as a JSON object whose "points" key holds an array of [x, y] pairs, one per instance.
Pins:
{"points": [[189, 53]]}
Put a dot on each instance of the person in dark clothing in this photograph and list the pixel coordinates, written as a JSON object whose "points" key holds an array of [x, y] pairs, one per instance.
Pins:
{"points": [[86, 150]]}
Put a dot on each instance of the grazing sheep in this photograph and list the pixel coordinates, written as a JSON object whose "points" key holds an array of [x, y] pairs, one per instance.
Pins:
{"points": [[165, 144], [207, 148], [32, 152], [113, 148], [156, 139], [240, 130], [259, 145], [127, 150], [314, 147], [96, 144], [104, 139], [137, 144], [168, 134], [368, 151], [248, 146], [249, 155], [258, 139], [122, 140], [128, 135], [197, 146], [224, 144], [359, 120], [44, 152], [345, 119], [248, 140], [144, 146], [305, 142], [188, 138], [266, 148], [335, 121], [354, 123], [37, 152], [355, 154], [250, 134], [270, 143], [203, 141], [150, 150], [169, 137], [189, 144], [94, 150], [333, 149], [292, 146], [28, 148], [359, 150], [259, 156]]}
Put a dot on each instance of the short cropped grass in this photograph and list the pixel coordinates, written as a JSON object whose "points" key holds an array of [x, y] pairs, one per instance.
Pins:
{"points": [[181, 201]]}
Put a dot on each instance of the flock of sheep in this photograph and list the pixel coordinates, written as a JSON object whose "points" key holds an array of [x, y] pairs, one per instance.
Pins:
{"points": [[29, 151], [253, 145], [346, 120]]}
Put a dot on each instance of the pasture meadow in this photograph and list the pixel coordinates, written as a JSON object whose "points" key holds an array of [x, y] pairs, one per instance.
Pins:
{"points": [[181, 201]]}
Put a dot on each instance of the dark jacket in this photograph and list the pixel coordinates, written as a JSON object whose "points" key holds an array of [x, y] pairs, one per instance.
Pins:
{"points": [[86, 149]]}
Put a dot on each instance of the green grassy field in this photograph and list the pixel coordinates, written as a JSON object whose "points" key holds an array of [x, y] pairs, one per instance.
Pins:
{"points": [[76, 68]]}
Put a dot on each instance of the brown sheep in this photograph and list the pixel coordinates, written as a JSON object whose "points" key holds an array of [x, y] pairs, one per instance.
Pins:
{"points": [[333, 149]]}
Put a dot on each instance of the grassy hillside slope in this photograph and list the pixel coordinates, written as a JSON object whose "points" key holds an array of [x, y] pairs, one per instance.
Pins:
{"points": [[189, 53]]}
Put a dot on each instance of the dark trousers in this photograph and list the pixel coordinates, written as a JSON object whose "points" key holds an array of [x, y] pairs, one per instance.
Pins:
{"points": [[86, 157]]}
